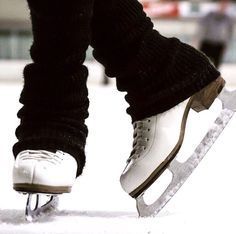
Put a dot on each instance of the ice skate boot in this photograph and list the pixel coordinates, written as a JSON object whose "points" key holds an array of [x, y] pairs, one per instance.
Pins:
{"points": [[154, 150], [39, 173]]}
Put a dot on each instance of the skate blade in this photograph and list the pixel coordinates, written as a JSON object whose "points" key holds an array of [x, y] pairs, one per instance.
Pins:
{"points": [[181, 171], [35, 209]]}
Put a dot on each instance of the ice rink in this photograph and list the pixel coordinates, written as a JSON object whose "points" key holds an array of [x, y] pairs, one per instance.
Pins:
{"points": [[205, 204]]}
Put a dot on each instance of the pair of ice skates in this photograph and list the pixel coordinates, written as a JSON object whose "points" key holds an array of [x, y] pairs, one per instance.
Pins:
{"points": [[40, 172]]}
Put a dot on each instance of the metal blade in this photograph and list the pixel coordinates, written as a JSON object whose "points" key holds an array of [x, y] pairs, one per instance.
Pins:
{"points": [[34, 211], [181, 171]]}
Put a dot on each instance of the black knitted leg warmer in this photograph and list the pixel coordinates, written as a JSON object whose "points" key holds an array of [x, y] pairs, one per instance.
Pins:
{"points": [[55, 97], [156, 72]]}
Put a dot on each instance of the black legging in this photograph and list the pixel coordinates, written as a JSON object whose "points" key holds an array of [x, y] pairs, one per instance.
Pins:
{"points": [[156, 72]]}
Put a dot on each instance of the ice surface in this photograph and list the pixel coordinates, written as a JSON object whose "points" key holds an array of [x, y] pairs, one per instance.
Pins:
{"points": [[205, 204]]}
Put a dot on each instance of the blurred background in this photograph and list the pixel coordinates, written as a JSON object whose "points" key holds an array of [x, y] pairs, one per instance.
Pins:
{"points": [[171, 18]]}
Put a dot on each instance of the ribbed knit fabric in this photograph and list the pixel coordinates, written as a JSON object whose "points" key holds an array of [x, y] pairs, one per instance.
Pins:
{"points": [[55, 97], [156, 72]]}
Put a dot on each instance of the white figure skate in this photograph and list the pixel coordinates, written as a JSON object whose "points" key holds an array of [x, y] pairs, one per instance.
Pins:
{"points": [[154, 150], [39, 173]]}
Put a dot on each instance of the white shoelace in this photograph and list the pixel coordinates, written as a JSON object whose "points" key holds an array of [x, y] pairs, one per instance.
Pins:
{"points": [[41, 155], [140, 141]]}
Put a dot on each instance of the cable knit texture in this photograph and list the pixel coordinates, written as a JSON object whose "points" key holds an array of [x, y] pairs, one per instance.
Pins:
{"points": [[156, 72], [55, 97]]}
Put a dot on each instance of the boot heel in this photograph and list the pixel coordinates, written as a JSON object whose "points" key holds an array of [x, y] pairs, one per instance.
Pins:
{"points": [[205, 97]]}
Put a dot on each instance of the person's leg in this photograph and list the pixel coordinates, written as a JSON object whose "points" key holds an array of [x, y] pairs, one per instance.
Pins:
{"points": [[207, 48], [214, 51], [218, 54], [54, 96], [157, 73]]}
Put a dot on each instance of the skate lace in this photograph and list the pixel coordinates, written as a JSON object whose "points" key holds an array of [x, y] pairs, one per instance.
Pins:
{"points": [[140, 138], [41, 155]]}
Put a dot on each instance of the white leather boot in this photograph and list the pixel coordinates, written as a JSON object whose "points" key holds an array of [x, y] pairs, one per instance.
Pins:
{"points": [[154, 147], [40, 171]]}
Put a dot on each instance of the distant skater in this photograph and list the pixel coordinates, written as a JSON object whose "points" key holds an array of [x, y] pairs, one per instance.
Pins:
{"points": [[215, 33]]}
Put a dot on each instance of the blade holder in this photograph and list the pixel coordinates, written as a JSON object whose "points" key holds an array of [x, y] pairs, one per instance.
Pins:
{"points": [[33, 212]]}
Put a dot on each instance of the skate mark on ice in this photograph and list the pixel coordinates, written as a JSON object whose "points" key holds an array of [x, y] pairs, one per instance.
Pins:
{"points": [[97, 214], [16, 217]]}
